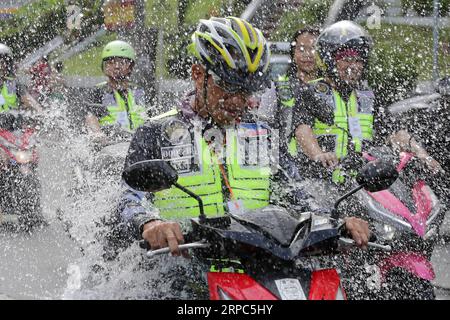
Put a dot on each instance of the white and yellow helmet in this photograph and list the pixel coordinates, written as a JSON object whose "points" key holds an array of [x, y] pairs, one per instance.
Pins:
{"points": [[234, 50]]}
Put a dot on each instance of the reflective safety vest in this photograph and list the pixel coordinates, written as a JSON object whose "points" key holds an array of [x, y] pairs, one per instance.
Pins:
{"points": [[124, 112], [8, 96], [353, 122], [249, 183]]}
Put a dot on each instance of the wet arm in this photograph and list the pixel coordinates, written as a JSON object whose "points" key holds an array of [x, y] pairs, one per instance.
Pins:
{"points": [[308, 141]]}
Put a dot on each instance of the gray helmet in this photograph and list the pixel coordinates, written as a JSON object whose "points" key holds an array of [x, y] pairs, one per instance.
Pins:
{"points": [[6, 55], [342, 35]]}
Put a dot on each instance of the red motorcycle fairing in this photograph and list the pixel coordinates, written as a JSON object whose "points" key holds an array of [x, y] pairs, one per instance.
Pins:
{"points": [[325, 285], [236, 286]]}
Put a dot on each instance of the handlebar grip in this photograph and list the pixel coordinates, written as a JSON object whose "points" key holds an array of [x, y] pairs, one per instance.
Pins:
{"points": [[144, 245], [380, 246], [348, 241], [194, 245]]}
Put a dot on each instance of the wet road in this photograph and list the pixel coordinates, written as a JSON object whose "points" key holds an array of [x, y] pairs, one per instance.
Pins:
{"points": [[35, 266]]}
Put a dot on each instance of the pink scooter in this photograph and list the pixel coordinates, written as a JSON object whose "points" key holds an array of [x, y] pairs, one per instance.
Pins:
{"points": [[405, 216]]}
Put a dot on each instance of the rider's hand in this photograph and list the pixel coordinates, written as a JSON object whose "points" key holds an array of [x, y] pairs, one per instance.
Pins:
{"points": [[328, 159], [359, 230], [161, 234]]}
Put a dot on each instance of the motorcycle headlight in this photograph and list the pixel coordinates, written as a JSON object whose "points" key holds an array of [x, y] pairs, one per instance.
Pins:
{"points": [[23, 156]]}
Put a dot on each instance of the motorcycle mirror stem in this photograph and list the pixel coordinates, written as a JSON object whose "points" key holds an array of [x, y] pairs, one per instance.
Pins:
{"points": [[334, 211], [375, 176], [156, 175], [202, 216]]}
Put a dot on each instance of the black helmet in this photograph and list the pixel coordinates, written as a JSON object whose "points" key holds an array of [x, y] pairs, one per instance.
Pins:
{"points": [[7, 56], [340, 36]]}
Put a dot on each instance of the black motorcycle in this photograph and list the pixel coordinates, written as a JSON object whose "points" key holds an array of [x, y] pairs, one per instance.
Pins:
{"points": [[266, 253]]}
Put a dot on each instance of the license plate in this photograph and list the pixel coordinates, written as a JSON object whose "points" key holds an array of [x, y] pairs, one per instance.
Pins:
{"points": [[290, 289]]}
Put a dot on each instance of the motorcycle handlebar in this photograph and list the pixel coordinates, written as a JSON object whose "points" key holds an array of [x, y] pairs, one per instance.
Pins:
{"points": [[347, 241], [193, 245], [202, 245]]}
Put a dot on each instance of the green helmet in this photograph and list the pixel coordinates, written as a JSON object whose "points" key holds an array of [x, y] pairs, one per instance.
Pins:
{"points": [[120, 49]]}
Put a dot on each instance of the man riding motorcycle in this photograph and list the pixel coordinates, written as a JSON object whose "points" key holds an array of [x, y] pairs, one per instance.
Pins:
{"points": [[116, 101], [211, 140], [338, 119]]}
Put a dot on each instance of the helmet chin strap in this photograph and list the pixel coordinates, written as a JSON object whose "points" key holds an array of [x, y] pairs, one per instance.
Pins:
{"points": [[205, 87], [205, 93]]}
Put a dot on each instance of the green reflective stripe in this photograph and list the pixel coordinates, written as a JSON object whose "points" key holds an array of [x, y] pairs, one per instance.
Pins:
{"points": [[214, 268], [337, 176], [357, 144], [342, 137], [366, 122], [352, 105], [323, 128], [292, 147], [226, 265], [10, 99], [288, 103], [341, 145], [340, 105], [182, 207]]}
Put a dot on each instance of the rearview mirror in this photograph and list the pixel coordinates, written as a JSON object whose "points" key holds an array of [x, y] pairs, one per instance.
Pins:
{"points": [[150, 176], [377, 175]]}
